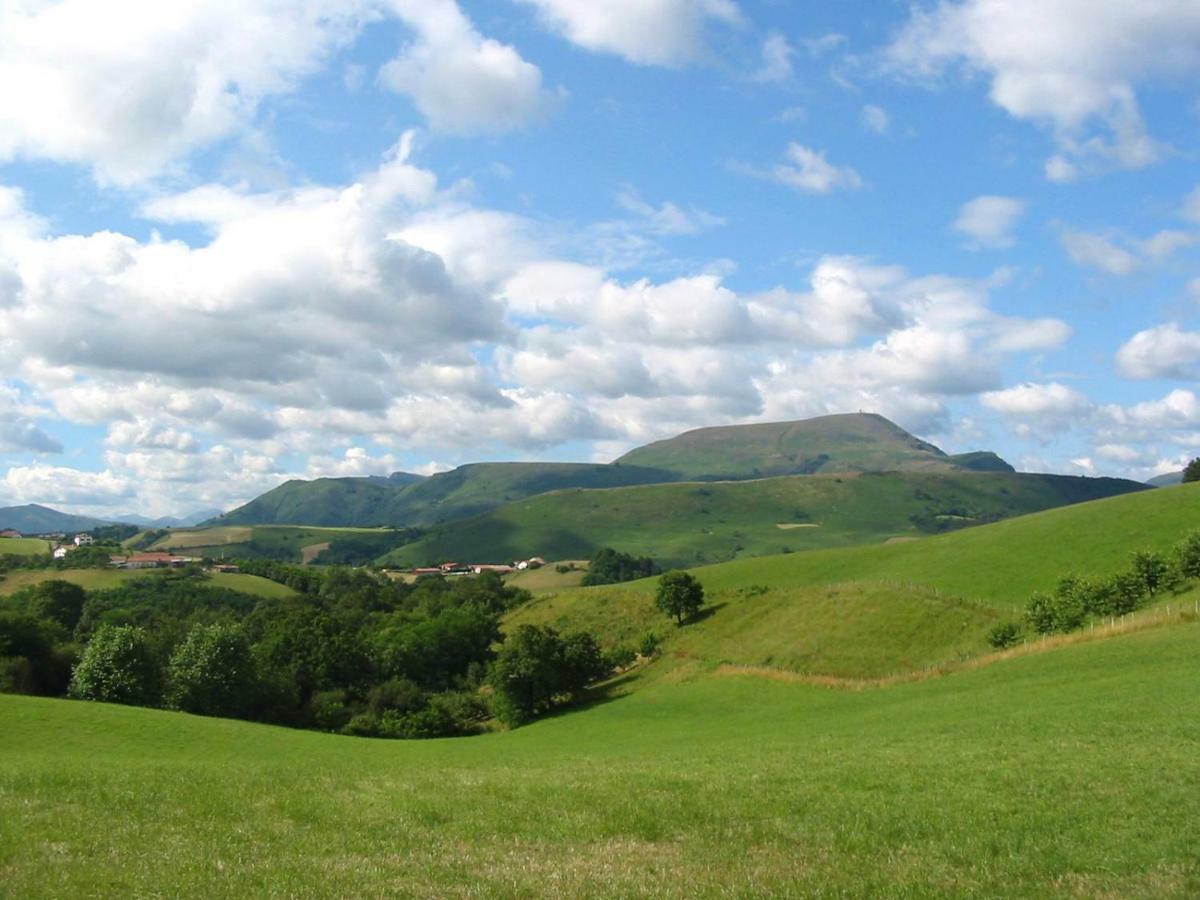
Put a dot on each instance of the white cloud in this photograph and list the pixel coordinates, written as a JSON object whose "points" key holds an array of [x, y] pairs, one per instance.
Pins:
{"points": [[1164, 351], [462, 82], [1071, 64], [129, 87], [777, 56], [1098, 252], [809, 171], [875, 119], [990, 220], [649, 32], [1030, 399], [667, 218], [19, 431]]}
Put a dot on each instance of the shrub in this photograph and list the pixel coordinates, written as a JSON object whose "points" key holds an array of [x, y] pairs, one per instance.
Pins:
{"points": [[1152, 569], [1005, 635], [1187, 556], [649, 645], [118, 667]]}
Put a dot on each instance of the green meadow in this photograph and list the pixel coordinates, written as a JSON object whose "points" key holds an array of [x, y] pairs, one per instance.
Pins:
{"points": [[1067, 773], [98, 579], [834, 724], [23, 546]]}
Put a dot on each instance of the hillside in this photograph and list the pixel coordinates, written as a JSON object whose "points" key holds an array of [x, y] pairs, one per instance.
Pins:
{"points": [[849, 443], [351, 546], [36, 519], [1170, 478], [692, 523], [460, 493], [856, 442], [1063, 774]]}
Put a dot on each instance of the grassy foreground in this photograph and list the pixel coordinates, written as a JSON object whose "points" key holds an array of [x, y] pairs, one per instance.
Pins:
{"points": [[1067, 773]]}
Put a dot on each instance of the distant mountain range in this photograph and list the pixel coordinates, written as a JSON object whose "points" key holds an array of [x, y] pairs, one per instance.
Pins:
{"points": [[36, 519], [1167, 480], [860, 442]]}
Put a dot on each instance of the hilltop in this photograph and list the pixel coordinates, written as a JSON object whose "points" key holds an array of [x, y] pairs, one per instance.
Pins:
{"points": [[845, 443], [855, 442], [685, 524]]}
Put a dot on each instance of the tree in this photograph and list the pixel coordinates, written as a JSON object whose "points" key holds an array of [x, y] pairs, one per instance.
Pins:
{"points": [[609, 566], [1191, 472], [212, 673], [537, 667], [57, 600], [1152, 569], [117, 667], [679, 595]]}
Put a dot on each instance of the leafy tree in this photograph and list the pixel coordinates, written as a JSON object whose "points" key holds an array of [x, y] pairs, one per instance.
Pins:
{"points": [[679, 595], [609, 566], [212, 673], [536, 667], [118, 667], [1040, 613], [1191, 472], [1152, 569], [1187, 556], [32, 659], [1004, 635], [58, 601]]}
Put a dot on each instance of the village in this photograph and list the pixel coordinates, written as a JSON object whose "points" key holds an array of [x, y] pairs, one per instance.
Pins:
{"points": [[449, 569], [61, 546]]}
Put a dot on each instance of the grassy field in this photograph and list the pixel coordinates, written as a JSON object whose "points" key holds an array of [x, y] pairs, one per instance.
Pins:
{"points": [[289, 543], [690, 524], [96, 579], [1068, 773], [23, 546]]}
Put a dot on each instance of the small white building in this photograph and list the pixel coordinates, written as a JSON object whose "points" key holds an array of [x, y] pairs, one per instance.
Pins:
{"points": [[84, 540], [61, 552]]}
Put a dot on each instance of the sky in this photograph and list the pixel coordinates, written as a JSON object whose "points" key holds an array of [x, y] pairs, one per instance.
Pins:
{"points": [[248, 241]]}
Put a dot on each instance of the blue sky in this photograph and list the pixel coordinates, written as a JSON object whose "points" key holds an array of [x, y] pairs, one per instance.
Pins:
{"points": [[242, 242]]}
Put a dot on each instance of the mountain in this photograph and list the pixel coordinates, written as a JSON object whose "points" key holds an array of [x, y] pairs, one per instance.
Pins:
{"points": [[684, 524], [857, 442], [466, 491], [1167, 479], [187, 521], [36, 519], [845, 443]]}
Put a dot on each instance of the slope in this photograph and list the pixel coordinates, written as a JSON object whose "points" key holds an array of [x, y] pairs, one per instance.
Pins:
{"points": [[1069, 773], [855, 442], [690, 523]]}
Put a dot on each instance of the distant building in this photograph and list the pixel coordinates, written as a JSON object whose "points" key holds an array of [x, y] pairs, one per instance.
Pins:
{"points": [[84, 540], [227, 568], [157, 561], [535, 562], [480, 568], [60, 552], [10, 533]]}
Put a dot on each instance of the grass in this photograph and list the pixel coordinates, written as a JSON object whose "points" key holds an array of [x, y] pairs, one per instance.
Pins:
{"points": [[23, 546], [290, 543], [1063, 774], [690, 524], [98, 579], [548, 578]]}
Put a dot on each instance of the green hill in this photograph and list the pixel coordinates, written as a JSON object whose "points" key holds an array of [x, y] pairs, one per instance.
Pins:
{"points": [[349, 546], [885, 609], [691, 523], [856, 442], [849, 443]]}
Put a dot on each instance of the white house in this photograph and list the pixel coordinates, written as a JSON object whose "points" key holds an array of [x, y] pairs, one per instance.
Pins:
{"points": [[60, 552], [83, 540]]}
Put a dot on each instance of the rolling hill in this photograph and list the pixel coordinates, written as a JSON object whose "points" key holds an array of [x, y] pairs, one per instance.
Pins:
{"points": [[685, 524], [848, 443]]}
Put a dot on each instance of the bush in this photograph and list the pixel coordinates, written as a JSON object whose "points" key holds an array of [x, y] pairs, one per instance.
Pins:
{"points": [[1007, 634], [537, 668], [118, 667], [649, 645], [1153, 570], [1187, 556]]}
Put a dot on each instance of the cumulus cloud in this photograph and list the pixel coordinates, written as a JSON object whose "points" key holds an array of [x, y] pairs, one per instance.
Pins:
{"points": [[1119, 254], [668, 219], [462, 82], [129, 87], [1073, 65], [19, 431], [649, 32], [1165, 351], [989, 220], [808, 170], [1041, 400]]}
